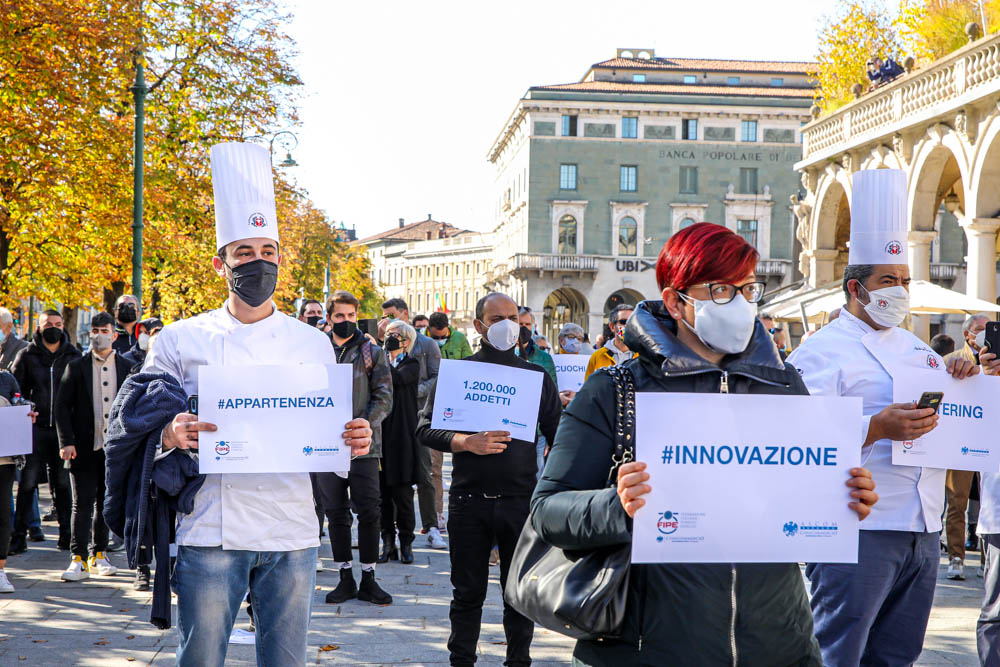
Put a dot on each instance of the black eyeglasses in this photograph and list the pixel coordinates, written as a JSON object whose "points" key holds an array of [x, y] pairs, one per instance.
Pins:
{"points": [[444, 337], [723, 293], [621, 323]]}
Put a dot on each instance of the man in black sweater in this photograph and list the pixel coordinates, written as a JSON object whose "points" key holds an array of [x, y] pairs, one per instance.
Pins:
{"points": [[493, 477]]}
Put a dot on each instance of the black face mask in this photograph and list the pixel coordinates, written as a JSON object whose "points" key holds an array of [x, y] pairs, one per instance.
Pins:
{"points": [[313, 321], [254, 281], [344, 329], [392, 344], [127, 314], [52, 335]]}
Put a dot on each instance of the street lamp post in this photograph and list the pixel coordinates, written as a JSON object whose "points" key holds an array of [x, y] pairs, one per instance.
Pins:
{"points": [[288, 161], [139, 91]]}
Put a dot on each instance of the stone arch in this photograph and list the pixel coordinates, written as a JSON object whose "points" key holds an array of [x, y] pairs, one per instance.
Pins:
{"points": [[625, 295], [939, 164], [832, 196], [562, 305], [984, 184]]}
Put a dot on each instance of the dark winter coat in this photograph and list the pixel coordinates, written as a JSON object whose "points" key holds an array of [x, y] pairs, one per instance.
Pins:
{"points": [[372, 385], [39, 373], [676, 614], [399, 442]]}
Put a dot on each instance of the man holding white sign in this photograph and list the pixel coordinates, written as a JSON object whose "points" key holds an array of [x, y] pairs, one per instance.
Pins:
{"points": [[876, 612], [255, 530], [494, 468]]}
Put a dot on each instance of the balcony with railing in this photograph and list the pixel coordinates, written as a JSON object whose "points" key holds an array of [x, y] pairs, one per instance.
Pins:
{"points": [[538, 262], [778, 268], [945, 87]]}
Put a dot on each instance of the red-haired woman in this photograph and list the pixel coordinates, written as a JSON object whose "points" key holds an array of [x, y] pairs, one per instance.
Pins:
{"points": [[703, 336]]}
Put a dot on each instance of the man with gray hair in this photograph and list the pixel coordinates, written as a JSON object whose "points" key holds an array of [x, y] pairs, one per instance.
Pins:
{"points": [[571, 341], [127, 312], [958, 483], [10, 344]]}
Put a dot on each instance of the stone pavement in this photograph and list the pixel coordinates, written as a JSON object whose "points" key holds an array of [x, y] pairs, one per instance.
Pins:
{"points": [[103, 622]]}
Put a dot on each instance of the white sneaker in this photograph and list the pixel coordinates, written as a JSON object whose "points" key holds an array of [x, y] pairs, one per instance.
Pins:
{"points": [[319, 565], [76, 571], [434, 539], [442, 523], [102, 565], [5, 585], [956, 569]]}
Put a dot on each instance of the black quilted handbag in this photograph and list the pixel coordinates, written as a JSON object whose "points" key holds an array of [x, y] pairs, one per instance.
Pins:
{"points": [[578, 593]]}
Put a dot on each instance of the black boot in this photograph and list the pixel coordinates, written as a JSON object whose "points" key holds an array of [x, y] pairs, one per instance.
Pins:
{"points": [[141, 578], [406, 554], [388, 549], [370, 591], [347, 589], [18, 545]]}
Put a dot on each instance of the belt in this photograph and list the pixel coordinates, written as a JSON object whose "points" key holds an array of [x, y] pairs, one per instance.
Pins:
{"points": [[490, 496]]}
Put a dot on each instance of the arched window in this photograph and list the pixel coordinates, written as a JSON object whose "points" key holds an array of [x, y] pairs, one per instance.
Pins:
{"points": [[567, 235], [628, 232], [686, 222]]}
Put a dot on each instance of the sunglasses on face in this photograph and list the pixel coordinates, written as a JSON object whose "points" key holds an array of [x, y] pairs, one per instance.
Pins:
{"points": [[620, 323]]}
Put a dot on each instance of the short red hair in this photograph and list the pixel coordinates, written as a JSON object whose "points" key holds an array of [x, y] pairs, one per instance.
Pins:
{"points": [[702, 253]]}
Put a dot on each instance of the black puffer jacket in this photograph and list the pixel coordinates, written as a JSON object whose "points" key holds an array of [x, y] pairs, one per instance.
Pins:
{"points": [[676, 614], [39, 373]]}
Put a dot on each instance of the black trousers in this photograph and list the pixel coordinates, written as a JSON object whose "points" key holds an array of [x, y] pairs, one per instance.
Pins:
{"points": [[88, 508], [360, 492], [397, 512], [44, 452], [475, 524], [7, 471]]}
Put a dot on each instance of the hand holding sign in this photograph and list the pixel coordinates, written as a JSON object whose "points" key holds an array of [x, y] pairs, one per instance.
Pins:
{"points": [[487, 442]]}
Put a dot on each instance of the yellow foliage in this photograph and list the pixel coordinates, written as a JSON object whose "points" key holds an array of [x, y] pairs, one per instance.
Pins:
{"points": [[932, 29]]}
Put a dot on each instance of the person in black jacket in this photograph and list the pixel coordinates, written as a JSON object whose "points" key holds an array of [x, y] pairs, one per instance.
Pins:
{"points": [[82, 408], [144, 333], [38, 369], [492, 480], [127, 311], [399, 445], [697, 614]]}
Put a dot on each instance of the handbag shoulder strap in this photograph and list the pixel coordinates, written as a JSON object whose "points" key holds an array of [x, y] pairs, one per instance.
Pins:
{"points": [[624, 420]]}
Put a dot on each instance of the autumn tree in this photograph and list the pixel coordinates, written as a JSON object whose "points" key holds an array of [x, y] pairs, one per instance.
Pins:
{"points": [[932, 29]]}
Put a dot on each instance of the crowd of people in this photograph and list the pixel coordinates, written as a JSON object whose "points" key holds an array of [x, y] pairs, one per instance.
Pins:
{"points": [[115, 422]]}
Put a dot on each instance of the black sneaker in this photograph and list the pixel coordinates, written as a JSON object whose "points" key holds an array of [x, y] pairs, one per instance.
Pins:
{"points": [[18, 545], [141, 578], [370, 591], [36, 535], [347, 589], [50, 516]]}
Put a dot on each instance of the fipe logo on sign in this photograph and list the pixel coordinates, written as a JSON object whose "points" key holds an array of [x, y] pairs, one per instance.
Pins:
{"points": [[221, 448], [667, 523]]}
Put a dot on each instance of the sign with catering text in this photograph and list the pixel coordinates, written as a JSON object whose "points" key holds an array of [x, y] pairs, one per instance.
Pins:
{"points": [[746, 478], [473, 396], [15, 424], [965, 437], [274, 418], [570, 370]]}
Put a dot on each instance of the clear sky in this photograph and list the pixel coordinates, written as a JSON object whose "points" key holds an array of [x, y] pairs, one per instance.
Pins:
{"points": [[402, 100]]}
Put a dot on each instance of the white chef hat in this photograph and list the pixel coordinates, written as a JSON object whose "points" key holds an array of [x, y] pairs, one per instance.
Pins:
{"points": [[244, 193], [878, 217]]}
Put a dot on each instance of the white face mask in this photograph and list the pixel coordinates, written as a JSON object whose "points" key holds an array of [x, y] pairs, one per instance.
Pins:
{"points": [[723, 328], [503, 334], [981, 339], [888, 306], [101, 341], [143, 341]]}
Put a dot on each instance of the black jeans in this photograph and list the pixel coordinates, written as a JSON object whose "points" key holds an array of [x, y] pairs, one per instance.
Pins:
{"points": [[44, 451], [362, 482], [397, 513], [88, 508], [425, 489], [475, 524], [7, 471]]}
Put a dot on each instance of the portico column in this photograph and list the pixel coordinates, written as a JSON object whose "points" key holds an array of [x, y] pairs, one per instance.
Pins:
{"points": [[982, 257], [821, 261], [919, 243]]}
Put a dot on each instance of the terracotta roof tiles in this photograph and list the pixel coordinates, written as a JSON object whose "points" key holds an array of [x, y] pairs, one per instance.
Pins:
{"points": [[707, 65], [415, 231]]}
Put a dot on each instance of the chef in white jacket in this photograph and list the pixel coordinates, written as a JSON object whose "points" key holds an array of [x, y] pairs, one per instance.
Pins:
{"points": [[988, 528], [876, 612], [246, 530]]}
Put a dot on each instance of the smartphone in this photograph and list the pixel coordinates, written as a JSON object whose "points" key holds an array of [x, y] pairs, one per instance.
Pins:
{"points": [[930, 399], [369, 326], [993, 337]]}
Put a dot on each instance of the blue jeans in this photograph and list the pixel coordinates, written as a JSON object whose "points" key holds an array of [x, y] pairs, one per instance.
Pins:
{"points": [[210, 583], [540, 446], [876, 612], [35, 518]]}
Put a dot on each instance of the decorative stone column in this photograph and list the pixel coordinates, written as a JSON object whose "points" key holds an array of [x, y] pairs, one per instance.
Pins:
{"points": [[982, 257], [821, 262], [919, 243]]}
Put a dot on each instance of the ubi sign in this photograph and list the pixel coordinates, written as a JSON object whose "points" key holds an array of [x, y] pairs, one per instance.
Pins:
{"points": [[633, 265]]}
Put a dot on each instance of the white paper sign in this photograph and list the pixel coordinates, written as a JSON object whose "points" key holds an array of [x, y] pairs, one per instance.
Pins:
{"points": [[274, 418], [473, 396], [570, 370], [968, 421], [746, 478], [15, 425]]}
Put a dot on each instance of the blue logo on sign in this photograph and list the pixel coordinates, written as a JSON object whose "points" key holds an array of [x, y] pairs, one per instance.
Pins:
{"points": [[667, 523], [508, 422], [307, 450], [790, 529]]}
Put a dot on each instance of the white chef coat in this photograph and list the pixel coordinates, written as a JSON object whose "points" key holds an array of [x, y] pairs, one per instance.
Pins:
{"points": [[253, 512], [989, 504], [849, 358]]}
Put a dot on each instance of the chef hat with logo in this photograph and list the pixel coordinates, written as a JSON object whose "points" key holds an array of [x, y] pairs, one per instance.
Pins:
{"points": [[244, 193], [878, 217]]}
